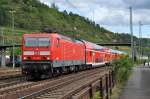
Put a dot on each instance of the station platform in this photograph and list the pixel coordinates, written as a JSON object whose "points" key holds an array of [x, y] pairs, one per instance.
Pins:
{"points": [[138, 85]]}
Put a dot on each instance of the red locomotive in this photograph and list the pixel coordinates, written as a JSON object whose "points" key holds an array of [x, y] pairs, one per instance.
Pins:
{"points": [[46, 54]]}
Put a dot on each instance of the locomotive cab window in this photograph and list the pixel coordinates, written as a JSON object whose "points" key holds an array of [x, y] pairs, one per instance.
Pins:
{"points": [[37, 41]]}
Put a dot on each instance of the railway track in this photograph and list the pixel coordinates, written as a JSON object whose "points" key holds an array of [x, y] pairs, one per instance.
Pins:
{"points": [[33, 89], [10, 77], [12, 81], [63, 91], [6, 73]]}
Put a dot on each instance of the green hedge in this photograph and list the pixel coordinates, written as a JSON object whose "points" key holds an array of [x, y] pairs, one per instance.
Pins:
{"points": [[122, 69]]}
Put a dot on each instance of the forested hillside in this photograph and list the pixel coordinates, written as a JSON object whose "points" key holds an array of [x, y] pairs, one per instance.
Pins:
{"points": [[33, 16]]}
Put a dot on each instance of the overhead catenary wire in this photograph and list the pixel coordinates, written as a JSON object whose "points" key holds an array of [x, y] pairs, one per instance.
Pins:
{"points": [[72, 5]]}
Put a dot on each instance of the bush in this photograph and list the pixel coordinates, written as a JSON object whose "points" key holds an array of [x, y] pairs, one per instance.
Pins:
{"points": [[122, 69]]}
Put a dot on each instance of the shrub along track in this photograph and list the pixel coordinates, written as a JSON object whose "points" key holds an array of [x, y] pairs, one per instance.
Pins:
{"points": [[29, 89]]}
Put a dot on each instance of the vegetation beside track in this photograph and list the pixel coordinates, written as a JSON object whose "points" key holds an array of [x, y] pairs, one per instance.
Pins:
{"points": [[122, 69]]}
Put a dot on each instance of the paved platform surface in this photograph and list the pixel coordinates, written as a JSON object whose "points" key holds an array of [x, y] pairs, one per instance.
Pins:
{"points": [[138, 86]]}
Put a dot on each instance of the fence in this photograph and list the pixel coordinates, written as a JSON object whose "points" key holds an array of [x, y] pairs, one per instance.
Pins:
{"points": [[103, 85]]}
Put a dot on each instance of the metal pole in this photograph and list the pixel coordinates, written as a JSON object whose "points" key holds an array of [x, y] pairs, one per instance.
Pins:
{"points": [[94, 21], [140, 40], [131, 31], [3, 51], [2, 35], [13, 31], [93, 15], [149, 48], [14, 42]]}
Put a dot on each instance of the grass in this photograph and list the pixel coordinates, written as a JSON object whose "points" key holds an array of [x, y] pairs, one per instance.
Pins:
{"points": [[10, 37], [116, 91], [97, 95]]}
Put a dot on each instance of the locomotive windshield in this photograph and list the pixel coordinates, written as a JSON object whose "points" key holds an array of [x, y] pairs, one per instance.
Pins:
{"points": [[37, 41]]}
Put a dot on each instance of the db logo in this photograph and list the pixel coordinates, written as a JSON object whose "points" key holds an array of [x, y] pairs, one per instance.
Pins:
{"points": [[36, 53]]}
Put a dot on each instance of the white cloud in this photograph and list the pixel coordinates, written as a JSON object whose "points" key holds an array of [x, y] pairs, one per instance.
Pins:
{"points": [[47, 2], [138, 4], [111, 13], [106, 16]]}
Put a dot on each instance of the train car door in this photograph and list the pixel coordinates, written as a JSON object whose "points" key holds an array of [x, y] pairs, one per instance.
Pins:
{"points": [[93, 57], [62, 51]]}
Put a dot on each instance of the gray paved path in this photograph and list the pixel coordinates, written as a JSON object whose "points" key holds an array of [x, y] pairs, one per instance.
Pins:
{"points": [[138, 86]]}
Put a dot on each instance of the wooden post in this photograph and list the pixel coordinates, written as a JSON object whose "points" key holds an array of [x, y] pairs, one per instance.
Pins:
{"points": [[107, 87], [101, 88], [110, 85]]}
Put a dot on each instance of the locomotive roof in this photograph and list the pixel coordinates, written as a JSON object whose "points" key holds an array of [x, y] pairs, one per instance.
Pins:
{"points": [[36, 34], [53, 35]]}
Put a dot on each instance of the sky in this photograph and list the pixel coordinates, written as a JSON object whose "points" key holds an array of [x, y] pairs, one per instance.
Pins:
{"points": [[110, 14]]}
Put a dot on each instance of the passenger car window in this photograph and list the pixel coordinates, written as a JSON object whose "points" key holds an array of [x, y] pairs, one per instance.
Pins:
{"points": [[58, 42], [91, 53]]}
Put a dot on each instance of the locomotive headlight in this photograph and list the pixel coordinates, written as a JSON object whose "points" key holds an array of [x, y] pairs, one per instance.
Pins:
{"points": [[48, 58], [25, 58]]}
